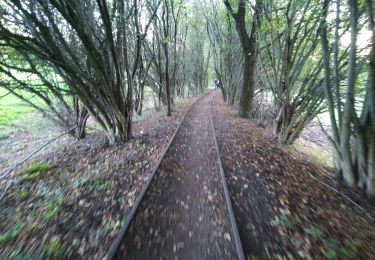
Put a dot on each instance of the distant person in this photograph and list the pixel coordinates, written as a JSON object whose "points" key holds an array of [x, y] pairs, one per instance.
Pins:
{"points": [[217, 84]]}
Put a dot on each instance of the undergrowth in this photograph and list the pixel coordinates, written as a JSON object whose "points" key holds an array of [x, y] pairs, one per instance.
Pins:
{"points": [[35, 170]]}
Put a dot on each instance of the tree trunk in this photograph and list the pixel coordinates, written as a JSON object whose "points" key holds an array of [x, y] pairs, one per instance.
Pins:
{"points": [[141, 100], [368, 115], [348, 173], [167, 83], [249, 48], [248, 85]]}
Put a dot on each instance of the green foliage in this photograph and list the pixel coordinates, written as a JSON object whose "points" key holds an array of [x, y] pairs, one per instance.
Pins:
{"points": [[331, 254], [100, 185], [350, 251], [315, 232], [35, 170], [22, 194], [11, 234], [92, 185], [80, 183], [336, 250], [141, 145], [55, 249], [332, 248], [344, 251], [111, 225], [3, 136], [277, 24], [286, 222], [333, 242], [53, 207]]}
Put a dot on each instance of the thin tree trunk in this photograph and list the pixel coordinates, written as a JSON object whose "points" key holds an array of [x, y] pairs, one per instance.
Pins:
{"points": [[348, 173]]}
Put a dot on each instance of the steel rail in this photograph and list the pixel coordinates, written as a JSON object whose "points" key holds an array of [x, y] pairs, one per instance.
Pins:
{"points": [[237, 240]]}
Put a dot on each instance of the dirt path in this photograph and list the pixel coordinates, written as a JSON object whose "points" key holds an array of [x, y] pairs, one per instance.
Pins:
{"points": [[184, 214]]}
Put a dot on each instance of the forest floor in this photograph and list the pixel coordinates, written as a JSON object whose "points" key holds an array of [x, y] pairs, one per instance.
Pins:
{"points": [[71, 199], [72, 196], [281, 189]]}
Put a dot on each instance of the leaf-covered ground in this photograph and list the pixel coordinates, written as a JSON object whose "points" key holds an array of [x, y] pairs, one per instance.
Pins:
{"points": [[184, 214], [280, 209], [72, 197]]}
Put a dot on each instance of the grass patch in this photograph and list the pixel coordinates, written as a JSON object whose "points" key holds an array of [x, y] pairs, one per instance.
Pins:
{"points": [[33, 171], [317, 156], [11, 234], [11, 108], [3, 137]]}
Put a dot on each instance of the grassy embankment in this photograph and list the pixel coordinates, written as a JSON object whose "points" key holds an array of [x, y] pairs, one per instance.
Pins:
{"points": [[11, 109]]}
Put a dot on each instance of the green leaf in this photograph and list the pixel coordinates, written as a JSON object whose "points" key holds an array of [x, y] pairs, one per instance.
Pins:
{"points": [[285, 221], [331, 254]]}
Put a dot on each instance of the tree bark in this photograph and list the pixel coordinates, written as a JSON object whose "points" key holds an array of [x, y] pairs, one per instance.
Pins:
{"points": [[249, 49]]}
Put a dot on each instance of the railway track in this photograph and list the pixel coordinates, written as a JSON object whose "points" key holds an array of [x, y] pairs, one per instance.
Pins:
{"points": [[131, 218]]}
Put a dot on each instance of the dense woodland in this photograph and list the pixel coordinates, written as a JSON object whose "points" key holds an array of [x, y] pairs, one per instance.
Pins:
{"points": [[282, 62]]}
